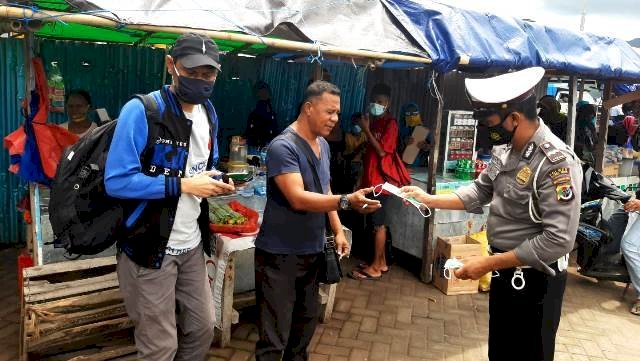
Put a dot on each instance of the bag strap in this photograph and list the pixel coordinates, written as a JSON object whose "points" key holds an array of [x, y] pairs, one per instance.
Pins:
{"points": [[151, 110], [305, 148]]}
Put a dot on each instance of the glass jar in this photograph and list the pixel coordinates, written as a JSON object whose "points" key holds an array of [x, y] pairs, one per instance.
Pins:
{"points": [[238, 150]]}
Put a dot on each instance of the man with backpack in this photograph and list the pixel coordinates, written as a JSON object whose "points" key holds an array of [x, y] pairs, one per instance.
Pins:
{"points": [[164, 169]]}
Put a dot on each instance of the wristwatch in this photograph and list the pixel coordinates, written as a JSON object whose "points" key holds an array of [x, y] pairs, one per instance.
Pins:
{"points": [[344, 204]]}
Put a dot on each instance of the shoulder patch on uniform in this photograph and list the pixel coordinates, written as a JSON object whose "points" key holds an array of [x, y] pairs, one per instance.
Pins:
{"points": [[553, 154], [564, 192], [529, 150], [560, 176]]}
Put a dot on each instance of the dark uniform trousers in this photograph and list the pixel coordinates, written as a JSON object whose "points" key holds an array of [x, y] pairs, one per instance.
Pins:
{"points": [[287, 297], [523, 323]]}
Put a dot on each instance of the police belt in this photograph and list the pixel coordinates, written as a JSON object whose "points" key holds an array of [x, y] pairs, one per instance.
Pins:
{"points": [[553, 265]]}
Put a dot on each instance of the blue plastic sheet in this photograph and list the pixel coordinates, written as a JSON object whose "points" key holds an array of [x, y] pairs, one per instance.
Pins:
{"points": [[619, 89], [490, 42]]}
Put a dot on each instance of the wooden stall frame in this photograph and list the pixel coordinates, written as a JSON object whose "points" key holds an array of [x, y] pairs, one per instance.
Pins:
{"points": [[571, 114], [603, 127], [428, 250]]}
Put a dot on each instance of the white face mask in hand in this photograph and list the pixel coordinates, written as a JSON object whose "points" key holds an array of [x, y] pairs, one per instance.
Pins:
{"points": [[450, 265], [423, 209]]}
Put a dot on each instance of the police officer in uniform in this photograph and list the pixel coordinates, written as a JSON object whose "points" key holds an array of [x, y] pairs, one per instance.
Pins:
{"points": [[533, 186]]}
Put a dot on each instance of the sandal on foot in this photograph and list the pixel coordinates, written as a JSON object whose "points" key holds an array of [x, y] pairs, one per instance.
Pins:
{"points": [[362, 275], [635, 309], [364, 265]]}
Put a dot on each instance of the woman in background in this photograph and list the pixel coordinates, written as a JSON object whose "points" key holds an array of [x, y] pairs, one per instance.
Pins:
{"points": [[78, 105]]}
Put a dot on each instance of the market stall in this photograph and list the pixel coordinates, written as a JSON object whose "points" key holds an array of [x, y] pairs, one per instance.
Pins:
{"points": [[231, 269]]}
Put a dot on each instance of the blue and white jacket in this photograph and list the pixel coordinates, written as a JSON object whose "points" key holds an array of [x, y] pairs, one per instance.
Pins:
{"points": [[145, 164]]}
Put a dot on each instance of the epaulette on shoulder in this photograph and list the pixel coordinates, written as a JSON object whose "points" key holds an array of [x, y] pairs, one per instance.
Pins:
{"points": [[552, 153]]}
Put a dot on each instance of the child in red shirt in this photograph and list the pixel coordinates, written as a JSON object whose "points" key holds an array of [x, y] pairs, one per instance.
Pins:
{"points": [[382, 135]]}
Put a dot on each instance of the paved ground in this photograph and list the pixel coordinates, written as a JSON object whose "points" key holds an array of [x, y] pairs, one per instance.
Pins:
{"points": [[400, 318]]}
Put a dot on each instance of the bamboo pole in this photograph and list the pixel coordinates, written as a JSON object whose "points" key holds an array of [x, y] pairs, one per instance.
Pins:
{"points": [[11, 12]]}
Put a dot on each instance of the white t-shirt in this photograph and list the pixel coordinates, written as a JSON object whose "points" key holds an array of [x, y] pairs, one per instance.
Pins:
{"points": [[185, 234], [93, 126]]}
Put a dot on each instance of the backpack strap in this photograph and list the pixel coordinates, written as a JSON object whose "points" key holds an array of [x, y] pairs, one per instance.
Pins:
{"points": [[152, 114], [151, 110]]}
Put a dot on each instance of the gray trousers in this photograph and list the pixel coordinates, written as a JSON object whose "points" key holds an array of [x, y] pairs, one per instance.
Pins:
{"points": [[171, 307]]}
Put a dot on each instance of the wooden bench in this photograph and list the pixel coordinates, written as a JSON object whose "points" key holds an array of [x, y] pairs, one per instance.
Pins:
{"points": [[74, 307]]}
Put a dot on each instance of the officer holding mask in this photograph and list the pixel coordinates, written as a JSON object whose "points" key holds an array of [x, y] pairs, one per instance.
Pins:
{"points": [[533, 186]]}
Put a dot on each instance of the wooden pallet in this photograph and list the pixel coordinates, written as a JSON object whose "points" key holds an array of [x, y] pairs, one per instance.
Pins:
{"points": [[69, 306]]}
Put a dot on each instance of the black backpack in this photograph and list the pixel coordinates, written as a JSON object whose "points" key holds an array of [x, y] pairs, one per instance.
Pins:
{"points": [[85, 220]]}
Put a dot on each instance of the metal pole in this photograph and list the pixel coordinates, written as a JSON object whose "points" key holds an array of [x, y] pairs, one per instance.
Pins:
{"points": [[571, 112], [427, 257], [603, 127]]}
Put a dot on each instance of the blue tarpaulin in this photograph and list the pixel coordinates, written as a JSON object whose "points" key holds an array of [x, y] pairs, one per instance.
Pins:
{"points": [[619, 89], [489, 42]]}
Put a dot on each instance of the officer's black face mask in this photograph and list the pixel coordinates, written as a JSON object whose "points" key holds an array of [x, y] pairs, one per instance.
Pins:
{"points": [[498, 135]]}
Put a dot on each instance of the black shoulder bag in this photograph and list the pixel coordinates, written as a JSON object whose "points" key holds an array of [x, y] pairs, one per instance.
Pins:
{"points": [[331, 272]]}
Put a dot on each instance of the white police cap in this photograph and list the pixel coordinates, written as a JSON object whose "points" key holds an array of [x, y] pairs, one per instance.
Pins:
{"points": [[504, 88]]}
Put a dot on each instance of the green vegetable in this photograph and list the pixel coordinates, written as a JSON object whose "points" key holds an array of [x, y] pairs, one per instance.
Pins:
{"points": [[224, 215]]}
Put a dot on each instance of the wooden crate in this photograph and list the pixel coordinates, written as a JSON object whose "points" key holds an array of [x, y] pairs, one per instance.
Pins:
{"points": [[74, 308]]}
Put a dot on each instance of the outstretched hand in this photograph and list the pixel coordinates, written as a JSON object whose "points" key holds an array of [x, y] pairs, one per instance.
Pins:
{"points": [[361, 204], [416, 193]]}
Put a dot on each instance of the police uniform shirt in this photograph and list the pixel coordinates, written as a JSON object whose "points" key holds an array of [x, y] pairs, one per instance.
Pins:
{"points": [[535, 199]]}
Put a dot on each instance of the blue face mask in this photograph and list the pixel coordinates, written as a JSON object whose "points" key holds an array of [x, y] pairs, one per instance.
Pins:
{"points": [[356, 129], [376, 109]]}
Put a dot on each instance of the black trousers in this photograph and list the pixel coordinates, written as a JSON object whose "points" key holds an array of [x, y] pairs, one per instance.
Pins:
{"points": [[287, 298], [523, 323]]}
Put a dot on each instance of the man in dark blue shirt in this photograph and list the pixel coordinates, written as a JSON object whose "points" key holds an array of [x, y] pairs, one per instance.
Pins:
{"points": [[290, 244]]}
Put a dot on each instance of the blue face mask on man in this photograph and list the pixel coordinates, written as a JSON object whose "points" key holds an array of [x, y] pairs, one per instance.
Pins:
{"points": [[356, 129]]}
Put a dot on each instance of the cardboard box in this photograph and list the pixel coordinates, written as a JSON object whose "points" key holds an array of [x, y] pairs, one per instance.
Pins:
{"points": [[611, 170], [459, 247]]}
